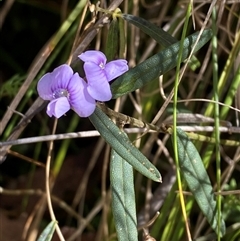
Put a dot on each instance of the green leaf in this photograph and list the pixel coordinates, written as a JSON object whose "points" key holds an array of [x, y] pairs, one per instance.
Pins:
{"points": [[193, 170], [156, 65], [122, 145], [112, 40], [47, 233], [122, 38], [162, 37], [157, 33], [123, 198]]}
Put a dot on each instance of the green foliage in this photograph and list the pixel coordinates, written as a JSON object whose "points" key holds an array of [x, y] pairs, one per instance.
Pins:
{"points": [[162, 37], [112, 40], [123, 198], [157, 65], [122, 145], [193, 170], [47, 233], [231, 202], [79, 173], [11, 86]]}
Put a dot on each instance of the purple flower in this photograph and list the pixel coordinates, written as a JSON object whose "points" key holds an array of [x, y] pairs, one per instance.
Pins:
{"points": [[99, 73], [65, 90]]}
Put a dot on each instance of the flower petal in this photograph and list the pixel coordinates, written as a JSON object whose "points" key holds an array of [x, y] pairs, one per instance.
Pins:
{"points": [[61, 77], [80, 100], [98, 86], [50, 82], [44, 87], [93, 56], [115, 68], [58, 107], [100, 92]]}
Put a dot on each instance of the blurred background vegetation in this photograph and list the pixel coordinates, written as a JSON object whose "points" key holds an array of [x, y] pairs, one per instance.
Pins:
{"points": [[35, 38]]}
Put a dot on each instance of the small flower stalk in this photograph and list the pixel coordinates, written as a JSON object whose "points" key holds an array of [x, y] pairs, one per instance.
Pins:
{"points": [[67, 90]]}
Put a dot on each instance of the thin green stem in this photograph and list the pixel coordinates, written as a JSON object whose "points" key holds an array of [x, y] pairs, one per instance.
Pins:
{"points": [[216, 114], [175, 97]]}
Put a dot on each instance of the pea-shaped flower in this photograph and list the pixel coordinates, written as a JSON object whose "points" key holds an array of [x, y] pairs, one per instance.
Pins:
{"points": [[99, 73], [65, 90]]}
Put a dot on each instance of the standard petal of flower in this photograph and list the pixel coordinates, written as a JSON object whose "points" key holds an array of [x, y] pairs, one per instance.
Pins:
{"points": [[44, 87], [115, 68], [81, 102], [61, 77], [98, 86], [93, 56], [58, 107]]}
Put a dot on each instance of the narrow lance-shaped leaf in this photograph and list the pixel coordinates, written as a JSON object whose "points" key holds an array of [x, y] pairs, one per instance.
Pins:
{"points": [[47, 233], [122, 145], [123, 198], [122, 38], [112, 40], [192, 168], [157, 65], [162, 37]]}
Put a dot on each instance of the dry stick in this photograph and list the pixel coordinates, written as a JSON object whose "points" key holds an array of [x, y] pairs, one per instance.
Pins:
{"points": [[209, 101], [34, 69], [146, 234], [39, 103], [45, 200], [49, 184], [77, 33], [34, 218], [154, 200], [82, 188], [85, 134], [71, 135], [194, 118], [88, 219], [142, 227], [90, 35], [4, 11], [124, 119], [35, 108], [25, 158], [142, 127]]}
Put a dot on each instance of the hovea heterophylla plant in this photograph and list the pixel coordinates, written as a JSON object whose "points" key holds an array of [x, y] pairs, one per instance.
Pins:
{"points": [[67, 90]]}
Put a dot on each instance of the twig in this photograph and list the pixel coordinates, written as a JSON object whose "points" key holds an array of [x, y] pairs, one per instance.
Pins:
{"points": [[86, 134]]}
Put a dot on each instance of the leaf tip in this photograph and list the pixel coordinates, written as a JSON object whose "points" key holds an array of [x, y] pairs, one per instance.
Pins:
{"points": [[159, 179]]}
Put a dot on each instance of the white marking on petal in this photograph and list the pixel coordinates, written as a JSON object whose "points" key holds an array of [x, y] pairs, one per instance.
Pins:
{"points": [[101, 65], [60, 93]]}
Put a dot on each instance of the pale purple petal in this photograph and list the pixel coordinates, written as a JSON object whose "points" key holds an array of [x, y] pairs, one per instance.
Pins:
{"points": [[93, 56], [58, 107], [50, 82], [98, 86], [81, 102], [44, 87], [100, 93], [61, 77], [115, 68]]}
